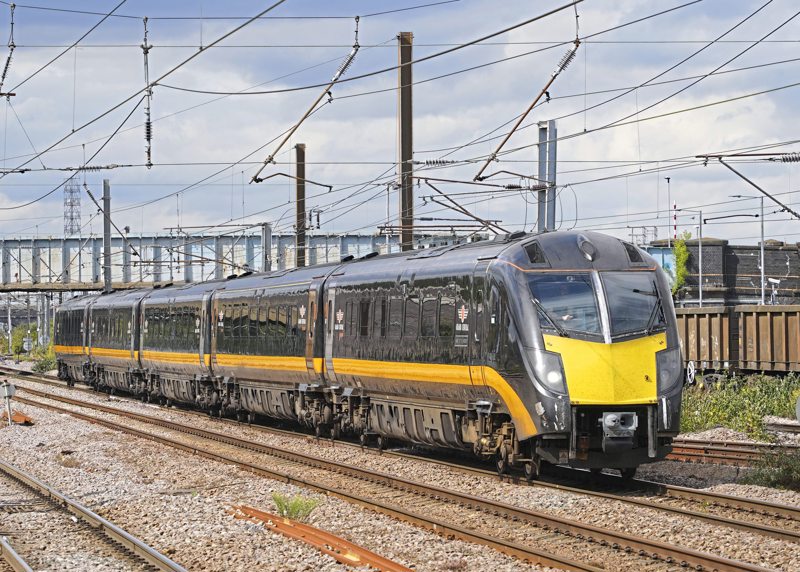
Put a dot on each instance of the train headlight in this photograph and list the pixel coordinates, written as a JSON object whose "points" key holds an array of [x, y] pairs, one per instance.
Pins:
{"points": [[549, 371], [670, 369]]}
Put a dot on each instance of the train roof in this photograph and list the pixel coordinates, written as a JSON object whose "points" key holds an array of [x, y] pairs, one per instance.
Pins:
{"points": [[570, 250], [76, 303]]}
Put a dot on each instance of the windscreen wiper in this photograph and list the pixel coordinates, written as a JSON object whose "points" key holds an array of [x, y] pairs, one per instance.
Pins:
{"points": [[561, 331], [656, 307]]}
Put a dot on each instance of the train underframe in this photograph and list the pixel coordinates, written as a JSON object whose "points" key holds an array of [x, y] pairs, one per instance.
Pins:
{"points": [[333, 412]]}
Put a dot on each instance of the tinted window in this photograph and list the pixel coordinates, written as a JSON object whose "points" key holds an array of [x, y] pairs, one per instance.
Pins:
{"points": [[262, 321], [363, 318], [447, 313], [280, 329], [633, 301], [379, 318], [411, 327], [395, 317], [566, 301], [429, 307]]}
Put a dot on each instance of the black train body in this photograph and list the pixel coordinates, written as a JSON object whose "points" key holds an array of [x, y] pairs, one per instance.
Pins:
{"points": [[559, 347]]}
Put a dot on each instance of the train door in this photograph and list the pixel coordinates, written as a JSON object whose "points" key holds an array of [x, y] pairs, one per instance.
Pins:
{"points": [[477, 321], [308, 313], [328, 316], [206, 323]]}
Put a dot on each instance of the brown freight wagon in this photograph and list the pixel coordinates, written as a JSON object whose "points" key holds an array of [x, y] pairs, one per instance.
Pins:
{"points": [[769, 338], [749, 338]]}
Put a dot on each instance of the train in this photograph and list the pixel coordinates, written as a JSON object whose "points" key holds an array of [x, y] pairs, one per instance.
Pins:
{"points": [[557, 347]]}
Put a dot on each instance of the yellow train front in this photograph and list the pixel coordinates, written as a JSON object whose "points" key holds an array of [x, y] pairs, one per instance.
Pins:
{"points": [[592, 351]]}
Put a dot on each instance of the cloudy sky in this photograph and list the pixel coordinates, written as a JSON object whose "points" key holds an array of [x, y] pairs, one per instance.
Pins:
{"points": [[635, 106]]}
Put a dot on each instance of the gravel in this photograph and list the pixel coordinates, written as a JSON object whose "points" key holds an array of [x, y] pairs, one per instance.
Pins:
{"points": [[179, 503], [725, 434], [645, 522], [782, 436]]}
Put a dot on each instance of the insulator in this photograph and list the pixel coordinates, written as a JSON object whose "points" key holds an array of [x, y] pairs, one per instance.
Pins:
{"points": [[148, 130], [513, 187], [8, 64], [790, 158], [346, 63], [439, 162], [567, 59]]}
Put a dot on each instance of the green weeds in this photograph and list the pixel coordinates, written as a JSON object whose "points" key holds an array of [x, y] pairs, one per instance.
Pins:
{"points": [[296, 508], [740, 403]]}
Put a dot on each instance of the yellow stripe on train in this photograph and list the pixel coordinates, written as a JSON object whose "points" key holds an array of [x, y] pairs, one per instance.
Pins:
{"points": [[443, 373]]}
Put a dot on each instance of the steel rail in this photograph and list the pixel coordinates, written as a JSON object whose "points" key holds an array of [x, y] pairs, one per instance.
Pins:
{"points": [[726, 453], [12, 558], [440, 527], [736, 445], [674, 491], [618, 540], [115, 533], [783, 427]]}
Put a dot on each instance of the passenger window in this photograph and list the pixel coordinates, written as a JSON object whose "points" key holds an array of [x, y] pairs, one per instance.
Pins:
{"points": [[411, 327], [281, 329], [447, 316], [273, 321], [253, 321], [350, 317], [363, 318], [395, 317], [379, 318], [429, 307], [262, 321], [244, 321]]}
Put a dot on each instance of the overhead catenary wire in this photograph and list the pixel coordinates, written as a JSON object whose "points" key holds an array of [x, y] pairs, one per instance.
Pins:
{"points": [[729, 60], [11, 47], [155, 82], [25, 131], [645, 83], [148, 124], [228, 94], [345, 65], [411, 63], [50, 192], [75, 43], [318, 17]]}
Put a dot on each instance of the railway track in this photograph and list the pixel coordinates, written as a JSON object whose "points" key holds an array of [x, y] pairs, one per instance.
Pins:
{"points": [[33, 512], [752, 515], [783, 427], [726, 452], [510, 529]]}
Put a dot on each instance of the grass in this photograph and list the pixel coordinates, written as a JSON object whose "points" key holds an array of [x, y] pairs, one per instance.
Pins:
{"points": [[296, 508], [740, 403], [781, 470]]}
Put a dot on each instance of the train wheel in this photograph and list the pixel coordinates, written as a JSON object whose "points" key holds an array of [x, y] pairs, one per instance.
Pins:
{"points": [[239, 415], [250, 418], [628, 474], [363, 440], [501, 460], [532, 469]]}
